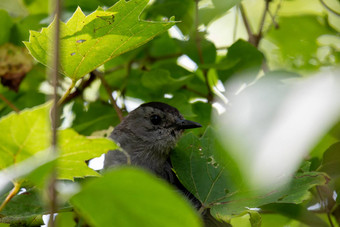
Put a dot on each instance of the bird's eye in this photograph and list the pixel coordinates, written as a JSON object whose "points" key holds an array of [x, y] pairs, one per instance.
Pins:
{"points": [[155, 119]]}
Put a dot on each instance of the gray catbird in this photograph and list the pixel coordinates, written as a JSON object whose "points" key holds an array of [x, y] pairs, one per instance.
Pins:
{"points": [[148, 134]]}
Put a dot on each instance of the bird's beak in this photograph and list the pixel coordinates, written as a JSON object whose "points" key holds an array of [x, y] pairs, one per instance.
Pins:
{"points": [[186, 124]]}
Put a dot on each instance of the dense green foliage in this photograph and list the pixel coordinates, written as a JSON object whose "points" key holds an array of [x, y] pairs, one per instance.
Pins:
{"points": [[116, 54]]}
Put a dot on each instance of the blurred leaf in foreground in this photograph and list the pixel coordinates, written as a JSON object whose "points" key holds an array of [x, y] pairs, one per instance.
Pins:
{"points": [[132, 197]]}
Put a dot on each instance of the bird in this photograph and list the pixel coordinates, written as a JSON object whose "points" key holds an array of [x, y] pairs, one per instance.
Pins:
{"points": [[147, 135]]}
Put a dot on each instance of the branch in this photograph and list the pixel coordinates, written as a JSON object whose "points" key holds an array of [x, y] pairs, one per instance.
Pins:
{"points": [[14, 191], [259, 34], [11, 105], [109, 92], [328, 8], [54, 73], [251, 35]]}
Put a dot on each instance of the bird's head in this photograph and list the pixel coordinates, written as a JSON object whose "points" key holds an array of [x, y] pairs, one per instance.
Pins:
{"points": [[156, 124]]}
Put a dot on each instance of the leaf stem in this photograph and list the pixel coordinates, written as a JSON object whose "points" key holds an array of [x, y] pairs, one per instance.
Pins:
{"points": [[14, 191], [67, 93], [80, 89], [109, 92], [202, 208], [11, 105]]}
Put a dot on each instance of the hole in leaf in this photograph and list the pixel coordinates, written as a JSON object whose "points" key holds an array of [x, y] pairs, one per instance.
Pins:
{"points": [[80, 40]]}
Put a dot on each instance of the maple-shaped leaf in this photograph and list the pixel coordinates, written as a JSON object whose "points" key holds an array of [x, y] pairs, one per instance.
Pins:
{"points": [[86, 42], [75, 149], [24, 135], [198, 164]]}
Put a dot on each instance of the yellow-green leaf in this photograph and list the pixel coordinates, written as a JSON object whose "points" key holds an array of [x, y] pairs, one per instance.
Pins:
{"points": [[89, 41]]}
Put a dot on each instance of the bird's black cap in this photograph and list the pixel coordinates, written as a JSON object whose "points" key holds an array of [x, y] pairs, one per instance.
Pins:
{"points": [[162, 106]]}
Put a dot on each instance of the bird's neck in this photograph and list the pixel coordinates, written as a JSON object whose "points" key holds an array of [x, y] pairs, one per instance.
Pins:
{"points": [[143, 153]]}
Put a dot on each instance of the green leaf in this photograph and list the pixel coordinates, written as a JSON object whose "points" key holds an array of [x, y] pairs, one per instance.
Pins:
{"points": [[131, 197], [331, 161], [194, 161], [5, 24], [37, 6], [27, 133], [23, 135], [162, 81], [75, 150], [25, 209], [20, 30], [255, 219], [181, 9], [89, 41], [296, 40], [197, 163], [206, 55], [164, 46], [297, 212], [242, 59], [210, 13], [65, 219], [296, 193], [97, 116]]}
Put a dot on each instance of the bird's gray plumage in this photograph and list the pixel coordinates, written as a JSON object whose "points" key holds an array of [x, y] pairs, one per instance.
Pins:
{"points": [[149, 144]]}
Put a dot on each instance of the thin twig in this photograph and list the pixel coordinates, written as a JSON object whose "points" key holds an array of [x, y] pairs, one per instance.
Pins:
{"points": [[67, 93], [14, 191], [329, 9], [109, 92], [200, 54], [251, 35], [273, 16], [11, 105], [259, 34], [54, 74]]}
